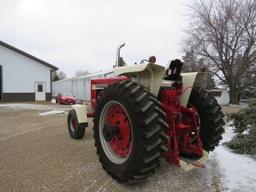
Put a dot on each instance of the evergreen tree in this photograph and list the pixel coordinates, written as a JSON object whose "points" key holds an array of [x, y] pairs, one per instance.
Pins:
{"points": [[245, 129]]}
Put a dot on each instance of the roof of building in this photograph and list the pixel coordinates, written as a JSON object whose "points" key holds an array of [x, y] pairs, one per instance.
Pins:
{"points": [[28, 55], [88, 76]]}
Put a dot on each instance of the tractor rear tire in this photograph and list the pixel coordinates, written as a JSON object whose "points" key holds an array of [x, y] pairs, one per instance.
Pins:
{"points": [[76, 130], [146, 135], [211, 118]]}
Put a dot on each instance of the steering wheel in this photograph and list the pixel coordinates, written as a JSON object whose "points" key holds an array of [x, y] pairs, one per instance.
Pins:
{"points": [[143, 61]]}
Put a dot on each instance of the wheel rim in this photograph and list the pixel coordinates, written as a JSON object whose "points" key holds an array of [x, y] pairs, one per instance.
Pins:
{"points": [[73, 124], [119, 147]]}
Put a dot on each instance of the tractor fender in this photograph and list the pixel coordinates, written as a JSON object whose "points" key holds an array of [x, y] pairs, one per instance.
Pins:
{"points": [[148, 75], [190, 80], [151, 76], [81, 113]]}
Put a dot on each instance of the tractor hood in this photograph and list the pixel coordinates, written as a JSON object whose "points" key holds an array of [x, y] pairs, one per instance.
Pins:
{"points": [[149, 75], [137, 68]]}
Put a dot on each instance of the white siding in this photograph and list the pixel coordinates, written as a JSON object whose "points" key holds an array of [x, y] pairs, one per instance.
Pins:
{"points": [[224, 98], [20, 72], [79, 87]]}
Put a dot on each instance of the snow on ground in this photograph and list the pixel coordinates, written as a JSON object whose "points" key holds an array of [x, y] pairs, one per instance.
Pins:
{"points": [[34, 106], [240, 106], [238, 171], [53, 112], [24, 106]]}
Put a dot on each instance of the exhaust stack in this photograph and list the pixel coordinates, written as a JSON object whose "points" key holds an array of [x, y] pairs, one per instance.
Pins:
{"points": [[118, 58]]}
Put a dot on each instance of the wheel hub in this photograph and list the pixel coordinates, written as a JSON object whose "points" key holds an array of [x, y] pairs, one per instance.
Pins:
{"points": [[109, 132]]}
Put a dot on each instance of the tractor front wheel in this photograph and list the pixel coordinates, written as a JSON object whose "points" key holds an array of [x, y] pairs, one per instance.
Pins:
{"points": [[75, 129], [129, 131]]}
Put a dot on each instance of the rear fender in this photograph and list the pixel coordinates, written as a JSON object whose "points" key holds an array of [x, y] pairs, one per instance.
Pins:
{"points": [[148, 75], [190, 80], [151, 77]]}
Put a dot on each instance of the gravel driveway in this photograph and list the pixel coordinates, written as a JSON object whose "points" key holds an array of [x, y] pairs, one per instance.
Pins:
{"points": [[37, 154]]}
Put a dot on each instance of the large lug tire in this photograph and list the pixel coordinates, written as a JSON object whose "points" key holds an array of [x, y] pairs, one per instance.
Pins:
{"points": [[76, 130], [137, 113], [211, 118]]}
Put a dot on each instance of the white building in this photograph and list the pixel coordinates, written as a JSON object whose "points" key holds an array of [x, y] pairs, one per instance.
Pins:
{"points": [[80, 87], [221, 95], [23, 77]]}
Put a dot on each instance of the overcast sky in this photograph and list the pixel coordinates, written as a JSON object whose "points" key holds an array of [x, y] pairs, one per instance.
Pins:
{"points": [[83, 34]]}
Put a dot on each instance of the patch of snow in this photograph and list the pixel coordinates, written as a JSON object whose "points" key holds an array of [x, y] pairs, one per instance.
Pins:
{"points": [[239, 171], [24, 106], [53, 101], [53, 112], [241, 105], [33, 106], [246, 132], [234, 105]]}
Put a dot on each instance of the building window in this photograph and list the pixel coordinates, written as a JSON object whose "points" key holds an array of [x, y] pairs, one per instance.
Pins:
{"points": [[39, 88]]}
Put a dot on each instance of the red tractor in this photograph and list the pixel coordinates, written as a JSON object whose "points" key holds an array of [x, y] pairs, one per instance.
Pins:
{"points": [[145, 112]]}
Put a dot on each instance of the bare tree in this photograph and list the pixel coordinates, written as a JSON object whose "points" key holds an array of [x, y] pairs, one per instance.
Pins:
{"points": [[223, 35], [193, 64], [59, 75], [54, 76], [81, 72]]}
